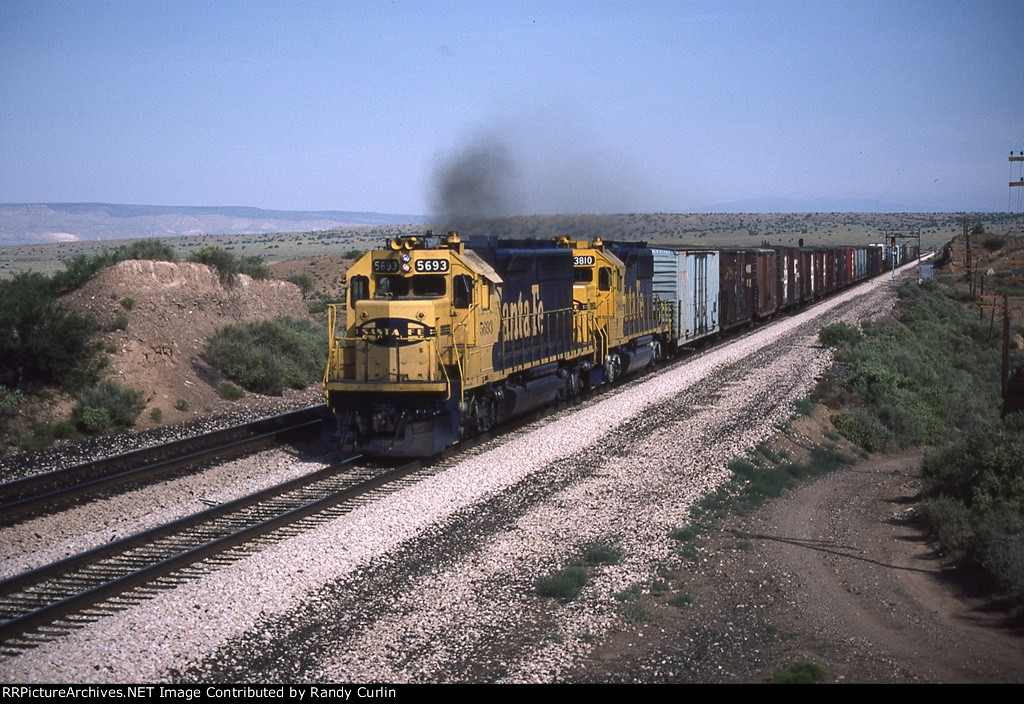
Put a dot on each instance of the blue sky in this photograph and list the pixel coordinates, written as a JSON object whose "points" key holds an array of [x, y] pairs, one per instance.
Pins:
{"points": [[598, 106]]}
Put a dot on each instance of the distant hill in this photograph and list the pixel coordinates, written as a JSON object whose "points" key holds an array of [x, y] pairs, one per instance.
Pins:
{"points": [[31, 223]]}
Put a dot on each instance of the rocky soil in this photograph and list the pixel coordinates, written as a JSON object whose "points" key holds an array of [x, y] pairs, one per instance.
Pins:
{"points": [[173, 310]]}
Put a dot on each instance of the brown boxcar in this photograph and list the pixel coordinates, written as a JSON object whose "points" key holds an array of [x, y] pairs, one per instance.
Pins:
{"points": [[767, 289], [788, 276], [736, 287]]}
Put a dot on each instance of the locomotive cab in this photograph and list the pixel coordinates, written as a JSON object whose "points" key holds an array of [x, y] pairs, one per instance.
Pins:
{"points": [[629, 324], [415, 313]]}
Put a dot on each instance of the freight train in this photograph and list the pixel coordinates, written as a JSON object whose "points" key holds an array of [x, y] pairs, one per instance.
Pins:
{"points": [[444, 338]]}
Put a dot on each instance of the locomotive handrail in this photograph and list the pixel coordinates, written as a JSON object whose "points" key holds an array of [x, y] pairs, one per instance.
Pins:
{"points": [[440, 363]]}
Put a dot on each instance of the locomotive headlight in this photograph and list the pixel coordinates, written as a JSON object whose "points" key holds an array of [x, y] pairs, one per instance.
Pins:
{"points": [[406, 268], [406, 258]]}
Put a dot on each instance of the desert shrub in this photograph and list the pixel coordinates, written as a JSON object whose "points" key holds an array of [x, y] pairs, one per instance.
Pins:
{"points": [[838, 334], [268, 356], [802, 672], [83, 267], [303, 281], [156, 415], [254, 266], [181, 404], [219, 259], [9, 400], [862, 429], [94, 420], [120, 322], [80, 269], [601, 554], [804, 406], [318, 303], [948, 522], [999, 549], [127, 303], [229, 392], [974, 502], [993, 243], [564, 585], [41, 341], [108, 404], [152, 249]]}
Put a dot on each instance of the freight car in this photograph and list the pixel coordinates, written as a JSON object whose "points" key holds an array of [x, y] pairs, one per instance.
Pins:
{"points": [[445, 338]]}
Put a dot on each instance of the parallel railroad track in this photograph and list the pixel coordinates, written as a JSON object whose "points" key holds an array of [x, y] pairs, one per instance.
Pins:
{"points": [[45, 492], [57, 597]]}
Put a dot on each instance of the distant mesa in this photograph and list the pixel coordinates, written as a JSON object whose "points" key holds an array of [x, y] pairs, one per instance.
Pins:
{"points": [[35, 223]]}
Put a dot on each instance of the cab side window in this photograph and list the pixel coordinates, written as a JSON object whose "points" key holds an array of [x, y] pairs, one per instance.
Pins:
{"points": [[358, 289], [462, 293], [604, 278]]}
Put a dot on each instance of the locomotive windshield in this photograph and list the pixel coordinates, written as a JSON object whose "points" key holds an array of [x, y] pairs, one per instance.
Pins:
{"points": [[424, 285]]}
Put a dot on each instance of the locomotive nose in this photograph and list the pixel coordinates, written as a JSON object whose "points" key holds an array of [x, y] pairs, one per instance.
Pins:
{"points": [[398, 340]]}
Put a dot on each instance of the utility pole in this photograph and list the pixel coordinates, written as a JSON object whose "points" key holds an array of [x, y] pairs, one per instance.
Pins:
{"points": [[970, 262], [1019, 183]]}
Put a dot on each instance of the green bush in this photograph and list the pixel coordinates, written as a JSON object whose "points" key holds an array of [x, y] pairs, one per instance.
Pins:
{"points": [[303, 281], [837, 334], [81, 268], [108, 404], [219, 259], [94, 420], [229, 392], [152, 249], [802, 672], [254, 266], [269, 356], [863, 429], [181, 404], [974, 502], [601, 554], [127, 303], [41, 341], [564, 585], [156, 415], [9, 400]]}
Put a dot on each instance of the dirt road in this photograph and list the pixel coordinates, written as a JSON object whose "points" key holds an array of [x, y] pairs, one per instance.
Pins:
{"points": [[835, 574]]}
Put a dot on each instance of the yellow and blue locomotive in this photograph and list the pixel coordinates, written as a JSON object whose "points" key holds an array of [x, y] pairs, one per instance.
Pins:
{"points": [[444, 338]]}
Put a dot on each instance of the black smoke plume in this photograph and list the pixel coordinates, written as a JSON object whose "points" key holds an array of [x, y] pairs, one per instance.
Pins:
{"points": [[479, 182]]}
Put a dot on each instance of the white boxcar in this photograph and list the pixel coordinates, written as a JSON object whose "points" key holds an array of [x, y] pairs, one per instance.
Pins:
{"points": [[688, 280]]}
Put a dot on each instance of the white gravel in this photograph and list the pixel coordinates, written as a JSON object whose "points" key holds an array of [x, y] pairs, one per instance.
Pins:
{"points": [[626, 466], [44, 540]]}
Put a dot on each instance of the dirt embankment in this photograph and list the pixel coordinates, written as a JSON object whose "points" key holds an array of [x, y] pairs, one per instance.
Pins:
{"points": [[156, 318]]}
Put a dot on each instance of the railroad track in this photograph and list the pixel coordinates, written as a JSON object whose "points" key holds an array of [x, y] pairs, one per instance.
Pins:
{"points": [[53, 599], [46, 602], [46, 492]]}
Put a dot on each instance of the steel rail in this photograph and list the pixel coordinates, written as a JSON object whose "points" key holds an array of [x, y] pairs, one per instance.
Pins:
{"points": [[47, 614], [51, 489]]}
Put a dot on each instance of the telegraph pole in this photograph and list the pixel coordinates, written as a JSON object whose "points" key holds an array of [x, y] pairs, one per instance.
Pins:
{"points": [[1019, 183]]}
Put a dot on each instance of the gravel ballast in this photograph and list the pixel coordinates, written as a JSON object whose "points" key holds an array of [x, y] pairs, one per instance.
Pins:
{"points": [[435, 582]]}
